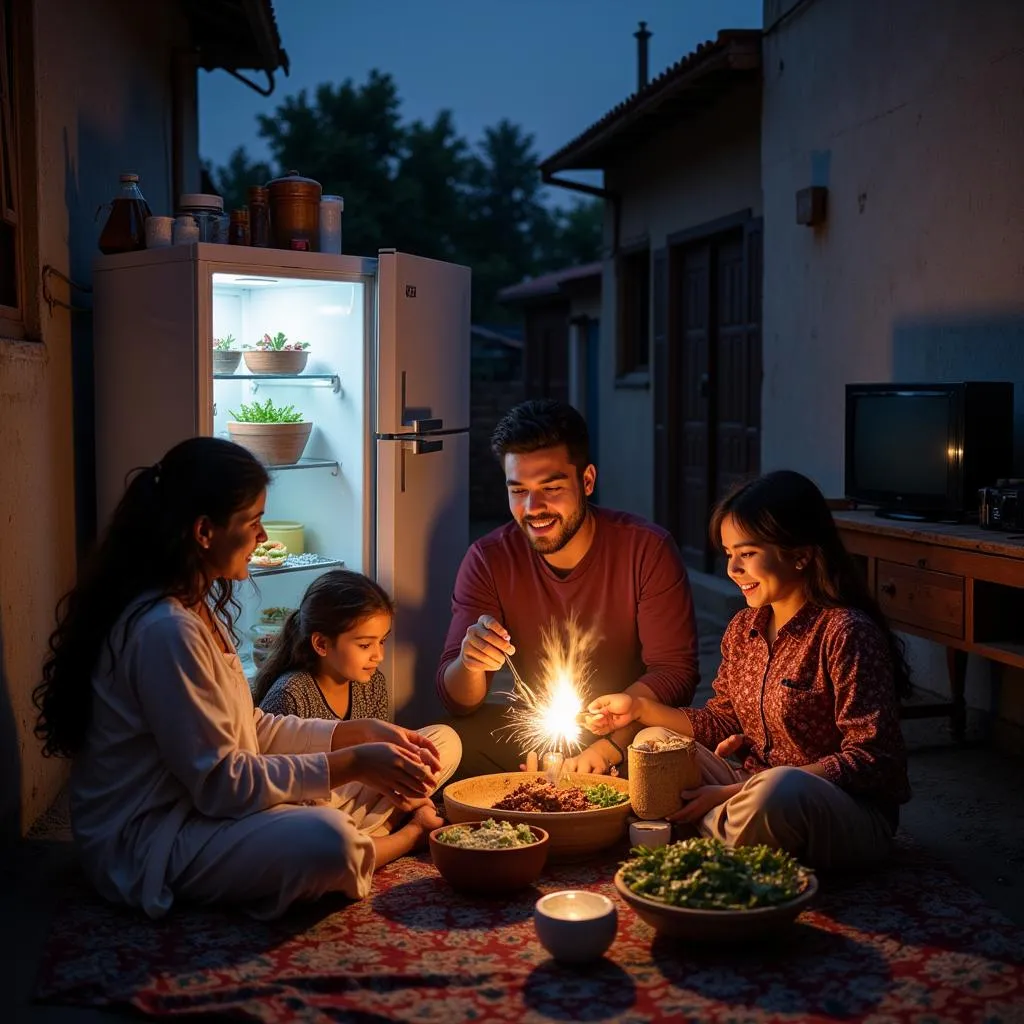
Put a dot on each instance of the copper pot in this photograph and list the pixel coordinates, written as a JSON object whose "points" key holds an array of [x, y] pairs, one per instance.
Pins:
{"points": [[295, 211]]}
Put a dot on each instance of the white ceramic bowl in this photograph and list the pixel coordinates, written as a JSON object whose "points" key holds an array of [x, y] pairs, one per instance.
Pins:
{"points": [[575, 926]]}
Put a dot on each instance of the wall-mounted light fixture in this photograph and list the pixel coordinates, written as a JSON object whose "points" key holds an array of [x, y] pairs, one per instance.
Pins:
{"points": [[812, 205]]}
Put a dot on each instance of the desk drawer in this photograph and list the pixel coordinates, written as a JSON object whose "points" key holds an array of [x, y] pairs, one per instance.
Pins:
{"points": [[921, 597]]}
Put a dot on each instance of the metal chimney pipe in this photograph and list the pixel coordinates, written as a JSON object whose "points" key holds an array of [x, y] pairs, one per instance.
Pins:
{"points": [[641, 36]]}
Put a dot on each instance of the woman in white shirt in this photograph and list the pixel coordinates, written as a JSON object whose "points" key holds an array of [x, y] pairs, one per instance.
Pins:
{"points": [[180, 788]]}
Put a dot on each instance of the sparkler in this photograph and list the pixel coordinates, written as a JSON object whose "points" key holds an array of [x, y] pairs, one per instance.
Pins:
{"points": [[549, 715]]}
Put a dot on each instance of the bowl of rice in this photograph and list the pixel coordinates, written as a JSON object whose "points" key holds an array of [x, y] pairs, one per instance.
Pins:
{"points": [[703, 890], [582, 813], [489, 857]]}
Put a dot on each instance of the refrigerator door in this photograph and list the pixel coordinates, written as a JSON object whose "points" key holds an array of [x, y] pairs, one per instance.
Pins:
{"points": [[422, 345], [422, 534]]}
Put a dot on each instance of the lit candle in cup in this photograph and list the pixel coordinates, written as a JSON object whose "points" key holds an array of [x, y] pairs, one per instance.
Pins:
{"points": [[554, 765], [575, 926]]}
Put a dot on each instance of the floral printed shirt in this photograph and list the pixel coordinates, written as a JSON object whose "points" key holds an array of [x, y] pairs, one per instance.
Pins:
{"points": [[824, 692]]}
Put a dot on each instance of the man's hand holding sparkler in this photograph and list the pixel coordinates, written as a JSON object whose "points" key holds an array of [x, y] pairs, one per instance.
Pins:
{"points": [[485, 645]]}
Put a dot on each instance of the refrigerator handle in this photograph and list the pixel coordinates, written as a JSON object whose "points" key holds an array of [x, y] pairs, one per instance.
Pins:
{"points": [[423, 426], [419, 447]]}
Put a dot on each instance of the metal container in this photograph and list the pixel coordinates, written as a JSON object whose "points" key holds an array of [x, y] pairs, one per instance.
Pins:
{"points": [[295, 211]]}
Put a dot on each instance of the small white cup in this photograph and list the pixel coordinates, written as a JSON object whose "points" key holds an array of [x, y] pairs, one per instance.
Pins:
{"points": [[159, 231], [651, 834], [575, 926]]}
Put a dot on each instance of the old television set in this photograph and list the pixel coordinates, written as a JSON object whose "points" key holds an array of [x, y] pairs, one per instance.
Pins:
{"points": [[922, 451]]}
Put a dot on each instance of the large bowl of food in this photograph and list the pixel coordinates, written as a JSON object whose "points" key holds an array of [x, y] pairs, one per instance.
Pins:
{"points": [[702, 889], [582, 814], [489, 858]]}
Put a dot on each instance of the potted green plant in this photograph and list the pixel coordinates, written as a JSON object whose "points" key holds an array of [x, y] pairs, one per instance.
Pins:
{"points": [[225, 356], [276, 354], [276, 435]]}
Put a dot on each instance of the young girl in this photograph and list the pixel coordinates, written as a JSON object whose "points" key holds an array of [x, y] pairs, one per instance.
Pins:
{"points": [[325, 664], [180, 788], [808, 685]]}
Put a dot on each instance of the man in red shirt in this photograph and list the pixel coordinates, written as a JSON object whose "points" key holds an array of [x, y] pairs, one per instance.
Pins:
{"points": [[618, 575]]}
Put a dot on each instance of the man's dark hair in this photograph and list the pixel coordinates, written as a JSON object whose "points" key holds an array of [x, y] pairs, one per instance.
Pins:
{"points": [[542, 423]]}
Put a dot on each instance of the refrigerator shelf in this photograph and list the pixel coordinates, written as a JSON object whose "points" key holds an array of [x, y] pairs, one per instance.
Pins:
{"points": [[334, 467], [297, 563], [313, 380]]}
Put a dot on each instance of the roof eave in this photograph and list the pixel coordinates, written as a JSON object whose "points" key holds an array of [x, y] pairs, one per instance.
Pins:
{"points": [[738, 55]]}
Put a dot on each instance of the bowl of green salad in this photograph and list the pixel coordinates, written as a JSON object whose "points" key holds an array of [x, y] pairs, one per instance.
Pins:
{"points": [[490, 857], [703, 889]]}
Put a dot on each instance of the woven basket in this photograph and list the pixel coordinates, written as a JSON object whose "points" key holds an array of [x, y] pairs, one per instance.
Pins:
{"points": [[274, 444], [260, 361], [656, 779]]}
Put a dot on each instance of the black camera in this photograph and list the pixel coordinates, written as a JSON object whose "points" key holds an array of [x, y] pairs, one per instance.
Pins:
{"points": [[1002, 507]]}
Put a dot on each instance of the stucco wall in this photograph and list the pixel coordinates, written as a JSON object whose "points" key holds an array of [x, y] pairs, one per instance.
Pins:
{"points": [[705, 168], [102, 101], [912, 114]]}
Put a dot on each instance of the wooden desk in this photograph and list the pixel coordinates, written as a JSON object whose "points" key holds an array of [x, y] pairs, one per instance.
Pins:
{"points": [[961, 586]]}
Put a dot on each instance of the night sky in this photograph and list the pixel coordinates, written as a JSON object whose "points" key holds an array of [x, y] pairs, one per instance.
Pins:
{"points": [[552, 66]]}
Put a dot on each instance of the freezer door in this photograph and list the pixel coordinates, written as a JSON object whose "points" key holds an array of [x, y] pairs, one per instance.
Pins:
{"points": [[422, 345], [422, 534]]}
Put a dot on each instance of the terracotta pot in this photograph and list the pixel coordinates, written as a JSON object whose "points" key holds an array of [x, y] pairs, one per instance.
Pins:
{"points": [[226, 361], [295, 211], [490, 872], [656, 778], [274, 444], [573, 833], [260, 361]]}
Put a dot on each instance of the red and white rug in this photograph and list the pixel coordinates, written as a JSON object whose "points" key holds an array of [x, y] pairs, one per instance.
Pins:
{"points": [[909, 944]]}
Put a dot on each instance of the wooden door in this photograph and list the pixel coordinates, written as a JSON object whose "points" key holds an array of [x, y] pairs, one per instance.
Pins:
{"points": [[693, 393], [707, 381]]}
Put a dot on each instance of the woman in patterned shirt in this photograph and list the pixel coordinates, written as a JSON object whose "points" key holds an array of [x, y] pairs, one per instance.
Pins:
{"points": [[325, 664], [808, 690]]}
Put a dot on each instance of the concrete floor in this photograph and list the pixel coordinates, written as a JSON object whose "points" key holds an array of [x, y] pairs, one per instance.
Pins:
{"points": [[968, 810]]}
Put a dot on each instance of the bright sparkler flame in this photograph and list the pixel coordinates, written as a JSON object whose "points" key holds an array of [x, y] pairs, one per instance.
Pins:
{"points": [[546, 716]]}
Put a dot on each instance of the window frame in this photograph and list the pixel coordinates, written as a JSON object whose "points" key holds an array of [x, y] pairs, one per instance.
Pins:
{"points": [[633, 347], [19, 322]]}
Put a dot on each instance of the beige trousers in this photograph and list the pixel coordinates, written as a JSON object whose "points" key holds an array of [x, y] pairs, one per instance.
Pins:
{"points": [[787, 808], [268, 860]]}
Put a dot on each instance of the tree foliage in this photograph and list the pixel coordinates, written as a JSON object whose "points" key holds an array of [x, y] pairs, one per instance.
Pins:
{"points": [[420, 187]]}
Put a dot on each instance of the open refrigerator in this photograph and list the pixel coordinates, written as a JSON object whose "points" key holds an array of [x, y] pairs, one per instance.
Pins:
{"points": [[382, 485]]}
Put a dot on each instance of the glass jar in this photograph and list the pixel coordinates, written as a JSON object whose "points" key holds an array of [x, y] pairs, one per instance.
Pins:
{"points": [[208, 213], [125, 228], [238, 232], [331, 209], [259, 216]]}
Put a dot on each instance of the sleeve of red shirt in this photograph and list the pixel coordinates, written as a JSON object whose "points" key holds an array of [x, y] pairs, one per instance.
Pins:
{"points": [[872, 757], [667, 626], [474, 595], [717, 720]]}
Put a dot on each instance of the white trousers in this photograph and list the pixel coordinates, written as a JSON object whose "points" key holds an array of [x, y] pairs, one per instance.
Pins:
{"points": [[268, 860], [787, 808]]}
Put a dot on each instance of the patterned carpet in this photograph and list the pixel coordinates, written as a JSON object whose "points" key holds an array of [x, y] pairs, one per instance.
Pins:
{"points": [[910, 944]]}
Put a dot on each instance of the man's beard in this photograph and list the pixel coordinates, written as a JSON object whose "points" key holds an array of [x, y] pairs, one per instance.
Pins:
{"points": [[565, 531]]}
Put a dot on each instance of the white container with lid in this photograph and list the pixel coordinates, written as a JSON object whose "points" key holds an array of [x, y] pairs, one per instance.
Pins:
{"points": [[209, 215], [331, 209]]}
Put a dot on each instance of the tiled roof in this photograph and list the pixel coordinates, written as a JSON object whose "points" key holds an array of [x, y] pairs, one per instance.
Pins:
{"points": [[550, 284], [236, 35], [713, 65]]}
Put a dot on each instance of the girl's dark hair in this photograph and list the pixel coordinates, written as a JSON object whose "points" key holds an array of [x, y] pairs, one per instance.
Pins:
{"points": [[787, 510], [542, 423], [332, 604], [148, 546]]}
